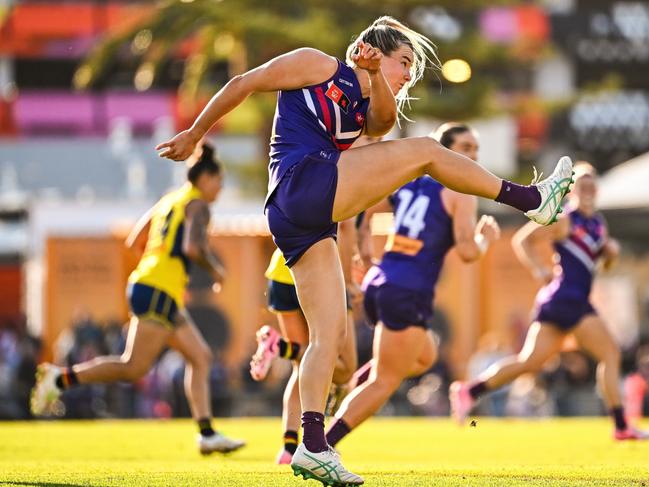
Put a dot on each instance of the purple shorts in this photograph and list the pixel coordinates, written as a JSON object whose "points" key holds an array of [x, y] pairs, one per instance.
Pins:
{"points": [[563, 312], [397, 307], [299, 208]]}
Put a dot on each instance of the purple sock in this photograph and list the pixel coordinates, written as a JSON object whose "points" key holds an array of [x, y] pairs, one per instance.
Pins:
{"points": [[314, 437], [522, 198], [337, 431], [618, 417], [477, 389]]}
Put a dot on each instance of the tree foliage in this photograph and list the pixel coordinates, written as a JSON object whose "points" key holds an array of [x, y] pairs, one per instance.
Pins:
{"points": [[246, 33]]}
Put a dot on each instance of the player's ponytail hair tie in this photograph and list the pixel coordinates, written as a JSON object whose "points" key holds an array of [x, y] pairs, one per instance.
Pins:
{"points": [[388, 34]]}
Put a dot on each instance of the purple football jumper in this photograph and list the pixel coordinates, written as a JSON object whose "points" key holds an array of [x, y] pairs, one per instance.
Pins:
{"points": [[312, 126], [564, 301], [399, 291]]}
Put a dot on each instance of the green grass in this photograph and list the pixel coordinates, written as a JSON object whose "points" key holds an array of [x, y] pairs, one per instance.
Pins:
{"points": [[401, 452]]}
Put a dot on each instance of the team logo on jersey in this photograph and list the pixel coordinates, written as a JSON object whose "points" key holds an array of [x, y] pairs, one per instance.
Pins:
{"points": [[360, 118], [337, 95], [580, 232]]}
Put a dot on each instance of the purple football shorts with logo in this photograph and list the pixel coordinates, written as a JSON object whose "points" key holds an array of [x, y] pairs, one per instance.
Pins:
{"points": [[397, 307], [300, 207], [563, 312]]}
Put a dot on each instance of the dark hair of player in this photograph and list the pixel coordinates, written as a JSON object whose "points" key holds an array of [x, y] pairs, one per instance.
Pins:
{"points": [[449, 131], [207, 162]]}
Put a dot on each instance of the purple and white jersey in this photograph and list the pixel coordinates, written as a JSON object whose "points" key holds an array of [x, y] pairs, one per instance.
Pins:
{"points": [[423, 235], [326, 118], [578, 256]]}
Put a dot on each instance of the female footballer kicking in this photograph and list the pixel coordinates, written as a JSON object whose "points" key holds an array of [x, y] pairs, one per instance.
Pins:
{"points": [[580, 241], [176, 232], [323, 105], [429, 220], [283, 301]]}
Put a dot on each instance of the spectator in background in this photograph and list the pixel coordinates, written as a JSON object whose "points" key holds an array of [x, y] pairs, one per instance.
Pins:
{"points": [[18, 354]]}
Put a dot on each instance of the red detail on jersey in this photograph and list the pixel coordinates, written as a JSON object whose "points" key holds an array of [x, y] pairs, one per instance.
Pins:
{"points": [[341, 146], [334, 93], [579, 231], [324, 107], [337, 95], [360, 118], [579, 242]]}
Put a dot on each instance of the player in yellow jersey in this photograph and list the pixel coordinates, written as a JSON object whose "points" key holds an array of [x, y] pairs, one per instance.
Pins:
{"points": [[176, 235]]}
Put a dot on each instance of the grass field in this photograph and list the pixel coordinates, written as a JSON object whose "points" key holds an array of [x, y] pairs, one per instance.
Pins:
{"points": [[400, 452]]}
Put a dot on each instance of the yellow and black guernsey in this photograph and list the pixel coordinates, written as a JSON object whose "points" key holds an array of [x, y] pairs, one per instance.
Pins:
{"points": [[157, 285], [277, 269]]}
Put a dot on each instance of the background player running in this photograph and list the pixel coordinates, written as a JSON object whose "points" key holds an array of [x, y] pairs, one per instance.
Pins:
{"points": [[176, 233], [580, 241], [429, 220], [323, 105], [283, 301]]}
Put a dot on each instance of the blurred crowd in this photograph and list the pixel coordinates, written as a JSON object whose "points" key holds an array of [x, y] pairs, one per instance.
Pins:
{"points": [[565, 388]]}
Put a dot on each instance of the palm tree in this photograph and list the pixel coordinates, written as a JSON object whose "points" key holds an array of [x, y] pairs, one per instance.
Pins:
{"points": [[240, 33], [243, 33]]}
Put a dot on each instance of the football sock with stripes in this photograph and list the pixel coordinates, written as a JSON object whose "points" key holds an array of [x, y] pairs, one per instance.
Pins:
{"points": [[524, 198], [67, 379], [290, 441], [288, 350]]}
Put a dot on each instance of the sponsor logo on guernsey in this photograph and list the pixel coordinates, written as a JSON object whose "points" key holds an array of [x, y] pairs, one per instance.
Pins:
{"points": [[345, 82], [360, 118], [337, 95]]}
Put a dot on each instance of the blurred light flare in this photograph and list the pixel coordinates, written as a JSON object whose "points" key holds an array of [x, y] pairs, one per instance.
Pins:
{"points": [[456, 70], [144, 77], [141, 41], [224, 44], [82, 77]]}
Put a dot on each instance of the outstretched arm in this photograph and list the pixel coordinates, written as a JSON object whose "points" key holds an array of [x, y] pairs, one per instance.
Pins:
{"points": [[364, 234], [293, 70], [524, 244], [471, 239], [347, 249], [195, 243], [136, 240], [610, 251]]}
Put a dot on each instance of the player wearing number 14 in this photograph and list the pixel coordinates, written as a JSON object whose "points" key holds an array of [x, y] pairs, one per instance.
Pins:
{"points": [[429, 220]]}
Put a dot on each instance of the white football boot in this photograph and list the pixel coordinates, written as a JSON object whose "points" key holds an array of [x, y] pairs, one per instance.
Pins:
{"points": [[218, 443], [45, 393], [552, 189], [324, 467]]}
